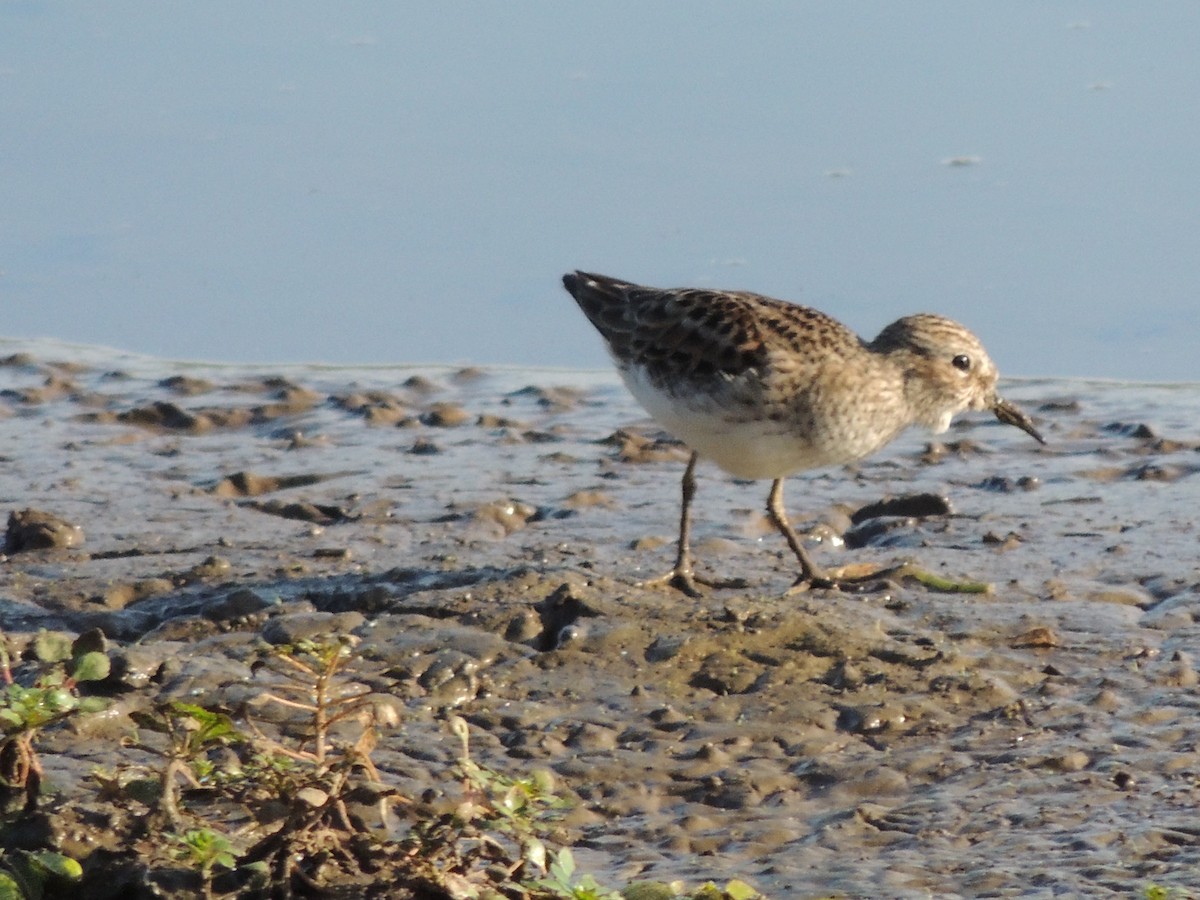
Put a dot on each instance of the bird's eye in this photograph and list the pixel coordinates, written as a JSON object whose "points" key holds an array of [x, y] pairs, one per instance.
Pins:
{"points": [[962, 362]]}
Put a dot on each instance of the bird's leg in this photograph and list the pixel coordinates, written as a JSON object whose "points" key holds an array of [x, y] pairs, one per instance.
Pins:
{"points": [[682, 575], [810, 575]]}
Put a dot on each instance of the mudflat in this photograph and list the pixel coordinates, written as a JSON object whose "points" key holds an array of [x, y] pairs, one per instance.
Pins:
{"points": [[482, 534]]}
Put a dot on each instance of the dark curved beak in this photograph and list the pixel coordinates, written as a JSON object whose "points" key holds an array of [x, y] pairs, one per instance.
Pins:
{"points": [[1011, 415]]}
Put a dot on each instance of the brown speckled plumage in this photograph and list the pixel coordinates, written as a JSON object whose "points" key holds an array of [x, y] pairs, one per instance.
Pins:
{"points": [[767, 388]]}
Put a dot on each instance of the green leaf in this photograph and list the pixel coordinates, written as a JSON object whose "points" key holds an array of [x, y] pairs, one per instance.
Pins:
{"points": [[564, 865], [512, 799], [92, 641], [649, 890], [92, 666], [212, 726], [9, 888], [56, 865], [11, 720], [51, 646], [205, 848], [543, 781], [57, 700], [739, 890]]}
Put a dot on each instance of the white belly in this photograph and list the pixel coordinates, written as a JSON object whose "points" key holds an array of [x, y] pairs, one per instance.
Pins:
{"points": [[737, 437]]}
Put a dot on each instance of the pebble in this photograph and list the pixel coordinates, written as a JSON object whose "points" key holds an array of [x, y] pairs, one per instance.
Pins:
{"points": [[186, 385], [424, 447], [1075, 761], [589, 738], [291, 628], [237, 605], [1179, 672], [445, 415], [34, 529]]}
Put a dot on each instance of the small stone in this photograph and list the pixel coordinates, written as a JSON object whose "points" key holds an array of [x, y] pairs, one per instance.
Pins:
{"points": [[295, 627], [332, 553], [1010, 541], [1075, 761], [525, 626], [212, 567], [445, 415], [1180, 672], [121, 595], [583, 499], [419, 384], [591, 737], [238, 605], [1131, 429], [186, 386], [503, 517], [319, 513], [245, 484], [424, 447], [871, 718], [311, 796], [1040, 636], [664, 648], [33, 529], [1065, 405], [166, 415], [667, 718], [1004, 485], [882, 532]]}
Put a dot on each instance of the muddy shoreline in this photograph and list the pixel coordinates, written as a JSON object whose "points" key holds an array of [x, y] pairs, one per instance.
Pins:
{"points": [[483, 534]]}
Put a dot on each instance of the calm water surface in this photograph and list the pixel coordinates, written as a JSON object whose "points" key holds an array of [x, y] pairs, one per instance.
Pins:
{"points": [[406, 182]]}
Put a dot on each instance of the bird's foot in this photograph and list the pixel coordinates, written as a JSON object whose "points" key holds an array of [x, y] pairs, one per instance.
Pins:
{"points": [[685, 579], [854, 579]]}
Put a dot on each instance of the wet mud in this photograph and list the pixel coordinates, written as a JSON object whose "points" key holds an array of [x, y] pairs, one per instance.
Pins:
{"points": [[484, 534]]}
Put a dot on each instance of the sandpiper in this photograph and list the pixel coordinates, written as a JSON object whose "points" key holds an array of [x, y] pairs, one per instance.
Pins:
{"points": [[766, 388]]}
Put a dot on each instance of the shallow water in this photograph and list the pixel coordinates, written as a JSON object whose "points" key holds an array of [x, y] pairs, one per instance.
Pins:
{"points": [[901, 740], [381, 182]]}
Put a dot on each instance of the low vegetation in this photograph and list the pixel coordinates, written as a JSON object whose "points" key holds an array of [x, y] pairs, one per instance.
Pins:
{"points": [[282, 799]]}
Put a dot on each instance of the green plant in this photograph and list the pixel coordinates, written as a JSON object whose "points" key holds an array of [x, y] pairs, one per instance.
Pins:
{"points": [[488, 837], [734, 890], [492, 837], [519, 806], [295, 785], [560, 881], [25, 875], [192, 732], [314, 682], [204, 849], [338, 721], [50, 695]]}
